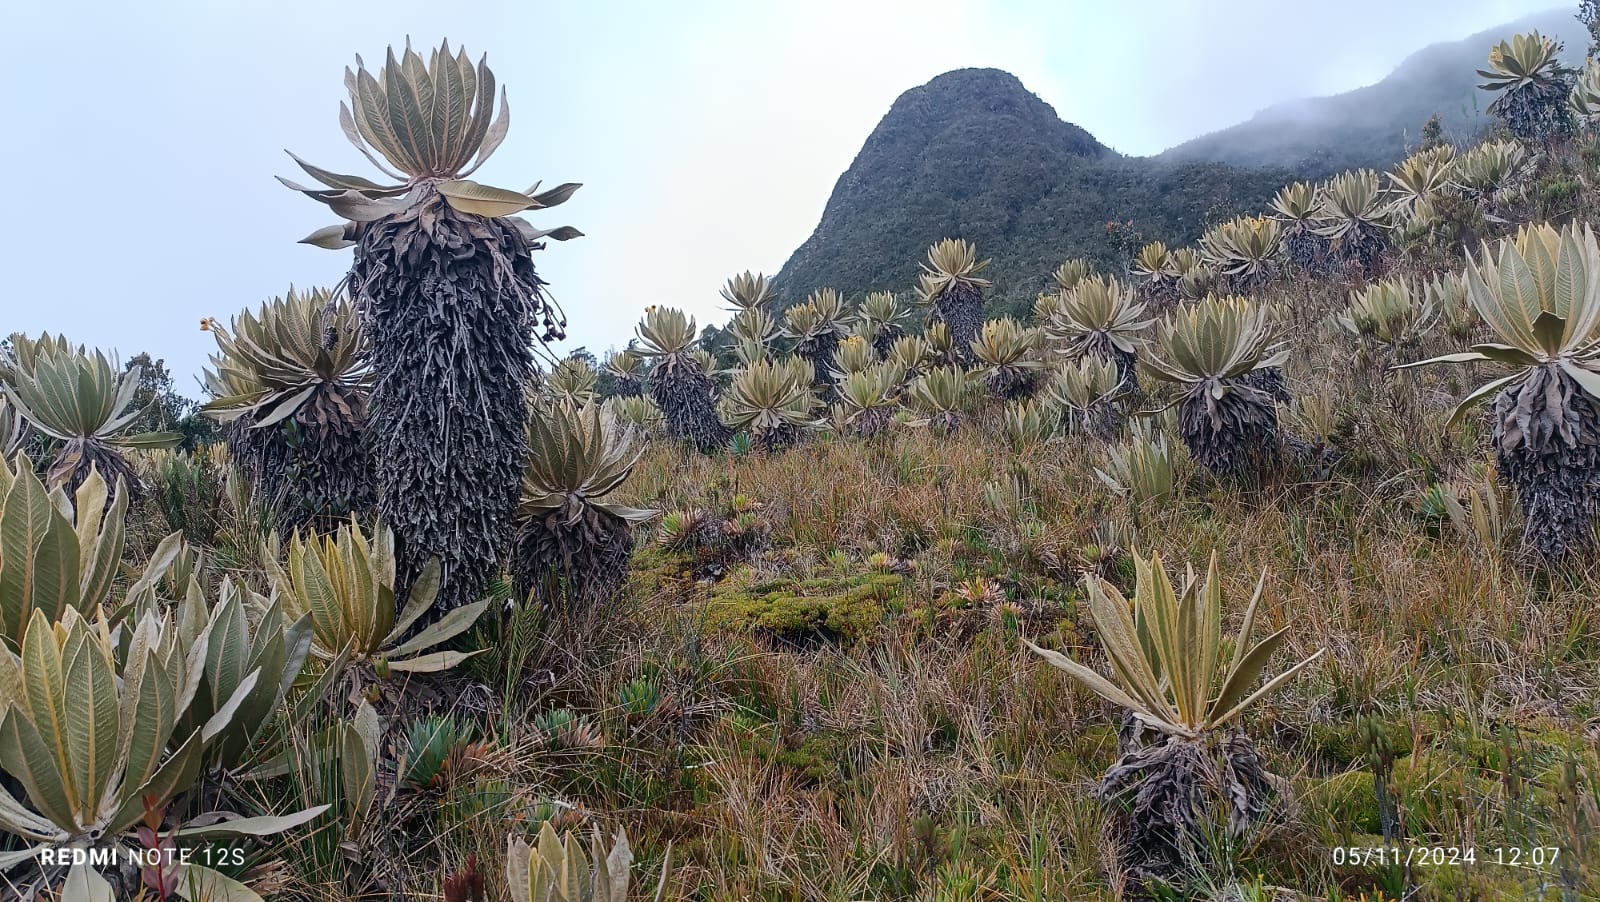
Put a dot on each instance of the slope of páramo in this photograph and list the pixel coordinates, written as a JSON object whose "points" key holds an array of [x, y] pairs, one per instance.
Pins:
{"points": [[1377, 125], [974, 154]]}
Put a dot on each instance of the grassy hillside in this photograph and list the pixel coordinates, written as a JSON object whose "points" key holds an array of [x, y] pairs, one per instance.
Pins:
{"points": [[1376, 125]]}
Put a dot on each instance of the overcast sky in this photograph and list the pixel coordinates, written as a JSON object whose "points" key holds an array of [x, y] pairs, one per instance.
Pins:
{"points": [[142, 138]]}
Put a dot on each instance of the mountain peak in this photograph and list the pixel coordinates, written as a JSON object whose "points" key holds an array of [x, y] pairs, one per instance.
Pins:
{"points": [[967, 135], [974, 154], [968, 98], [961, 93]]}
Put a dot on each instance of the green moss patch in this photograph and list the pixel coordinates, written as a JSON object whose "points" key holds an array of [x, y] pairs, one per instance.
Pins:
{"points": [[847, 607]]}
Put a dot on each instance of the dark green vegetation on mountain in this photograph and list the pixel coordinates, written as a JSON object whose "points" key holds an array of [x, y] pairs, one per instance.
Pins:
{"points": [[974, 154]]}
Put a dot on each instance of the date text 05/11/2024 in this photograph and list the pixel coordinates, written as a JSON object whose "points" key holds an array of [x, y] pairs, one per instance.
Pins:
{"points": [[1536, 857]]}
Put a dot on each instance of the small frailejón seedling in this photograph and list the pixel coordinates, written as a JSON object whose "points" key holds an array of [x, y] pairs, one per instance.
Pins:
{"points": [[1172, 671], [1540, 293], [347, 584], [1142, 469], [555, 869], [1030, 422]]}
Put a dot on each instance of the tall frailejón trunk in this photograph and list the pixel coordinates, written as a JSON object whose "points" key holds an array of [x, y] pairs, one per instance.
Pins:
{"points": [[453, 306]]}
